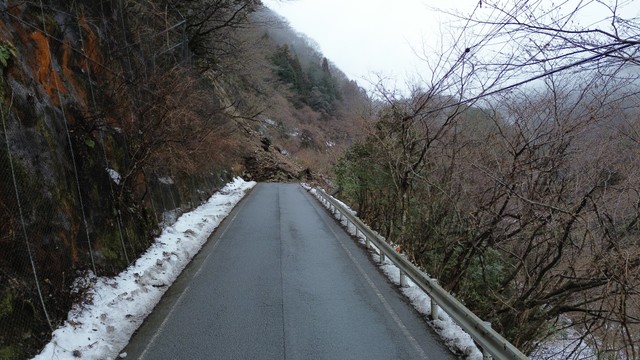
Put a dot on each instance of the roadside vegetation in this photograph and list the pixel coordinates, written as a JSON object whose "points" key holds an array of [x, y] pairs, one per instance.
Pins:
{"points": [[511, 177], [514, 181], [118, 116]]}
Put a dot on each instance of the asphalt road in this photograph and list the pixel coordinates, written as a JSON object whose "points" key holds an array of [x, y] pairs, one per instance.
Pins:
{"points": [[280, 279]]}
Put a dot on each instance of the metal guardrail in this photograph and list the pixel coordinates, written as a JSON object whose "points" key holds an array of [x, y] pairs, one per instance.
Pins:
{"points": [[491, 342]]}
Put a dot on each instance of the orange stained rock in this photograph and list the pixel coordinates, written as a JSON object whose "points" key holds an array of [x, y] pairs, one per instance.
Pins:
{"points": [[45, 75], [66, 55], [70, 76], [91, 49]]}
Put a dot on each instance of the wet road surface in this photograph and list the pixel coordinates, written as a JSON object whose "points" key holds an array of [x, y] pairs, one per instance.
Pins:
{"points": [[280, 279]]}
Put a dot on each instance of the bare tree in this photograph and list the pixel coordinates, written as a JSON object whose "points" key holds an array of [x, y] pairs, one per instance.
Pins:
{"points": [[512, 43], [526, 208], [210, 26], [552, 182]]}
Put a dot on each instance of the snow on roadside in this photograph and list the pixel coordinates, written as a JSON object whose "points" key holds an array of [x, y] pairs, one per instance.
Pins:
{"points": [[117, 306], [454, 337], [568, 344]]}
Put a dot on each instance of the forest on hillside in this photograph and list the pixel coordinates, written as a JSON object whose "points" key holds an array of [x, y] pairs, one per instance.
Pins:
{"points": [[118, 116], [510, 174], [511, 179]]}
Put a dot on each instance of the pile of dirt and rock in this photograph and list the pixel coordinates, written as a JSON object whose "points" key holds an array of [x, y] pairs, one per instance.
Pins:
{"points": [[266, 164]]}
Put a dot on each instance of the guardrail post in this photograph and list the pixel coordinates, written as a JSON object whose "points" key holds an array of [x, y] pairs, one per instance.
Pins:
{"points": [[485, 353], [403, 279], [382, 257], [367, 242], [434, 309]]}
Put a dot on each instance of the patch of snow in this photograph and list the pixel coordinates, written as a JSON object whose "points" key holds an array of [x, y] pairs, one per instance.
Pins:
{"points": [[568, 344], [330, 144], [270, 122], [294, 133], [169, 217], [115, 307], [114, 175], [166, 180]]}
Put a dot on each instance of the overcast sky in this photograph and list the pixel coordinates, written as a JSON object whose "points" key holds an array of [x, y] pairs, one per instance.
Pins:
{"points": [[368, 37]]}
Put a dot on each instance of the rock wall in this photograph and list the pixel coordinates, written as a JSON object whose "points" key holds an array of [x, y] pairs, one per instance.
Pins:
{"points": [[74, 194]]}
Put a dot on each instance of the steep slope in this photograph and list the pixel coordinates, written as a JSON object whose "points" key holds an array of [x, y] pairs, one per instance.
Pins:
{"points": [[119, 115]]}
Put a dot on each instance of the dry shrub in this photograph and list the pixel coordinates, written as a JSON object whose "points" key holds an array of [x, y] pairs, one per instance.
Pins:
{"points": [[175, 124]]}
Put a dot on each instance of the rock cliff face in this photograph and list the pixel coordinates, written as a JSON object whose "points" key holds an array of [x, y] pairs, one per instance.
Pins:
{"points": [[118, 115], [77, 187]]}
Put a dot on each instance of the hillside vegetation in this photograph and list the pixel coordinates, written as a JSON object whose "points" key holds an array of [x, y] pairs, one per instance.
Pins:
{"points": [[117, 116], [513, 180], [523, 200]]}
